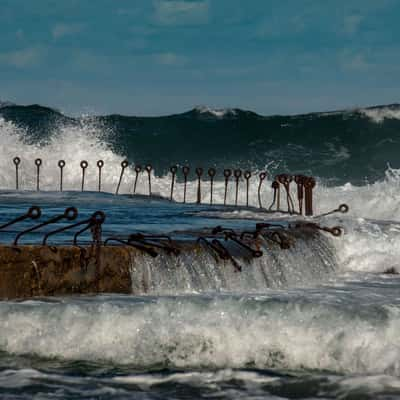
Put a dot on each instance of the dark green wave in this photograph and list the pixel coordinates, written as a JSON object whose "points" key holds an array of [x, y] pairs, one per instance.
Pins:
{"points": [[338, 146]]}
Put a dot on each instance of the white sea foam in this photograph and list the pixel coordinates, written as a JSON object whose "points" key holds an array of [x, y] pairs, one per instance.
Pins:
{"points": [[219, 113], [378, 115], [366, 246], [272, 331]]}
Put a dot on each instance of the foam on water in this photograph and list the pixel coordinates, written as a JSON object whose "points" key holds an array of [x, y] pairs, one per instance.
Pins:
{"points": [[283, 331]]}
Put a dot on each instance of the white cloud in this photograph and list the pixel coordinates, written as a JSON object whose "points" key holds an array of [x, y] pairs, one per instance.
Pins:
{"points": [[61, 30], [170, 59], [27, 57], [180, 12]]}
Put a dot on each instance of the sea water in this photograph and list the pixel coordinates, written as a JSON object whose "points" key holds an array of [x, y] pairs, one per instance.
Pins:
{"points": [[331, 331]]}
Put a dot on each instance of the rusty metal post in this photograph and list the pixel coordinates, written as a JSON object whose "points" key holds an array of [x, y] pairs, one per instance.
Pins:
{"points": [[237, 173], [84, 164], [124, 164], [247, 176], [38, 163], [299, 180], [100, 165], [61, 165], [185, 171], [211, 173], [309, 185], [138, 170], [173, 171], [16, 161], [199, 173], [261, 176], [227, 174], [149, 168]]}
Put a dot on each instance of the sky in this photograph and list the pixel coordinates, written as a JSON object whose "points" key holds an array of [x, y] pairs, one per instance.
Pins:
{"points": [[157, 57]]}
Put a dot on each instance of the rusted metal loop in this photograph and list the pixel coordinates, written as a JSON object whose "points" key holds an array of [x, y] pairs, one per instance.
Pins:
{"points": [[84, 164], [299, 179], [173, 169], [199, 171], [70, 213], [227, 173], [237, 173], [147, 250], [61, 164], [343, 208], [224, 254], [16, 160], [247, 175], [99, 217], [185, 170], [336, 231], [154, 241], [262, 175], [233, 236], [124, 164], [309, 182], [138, 168], [284, 178], [148, 168], [275, 185], [100, 164], [212, 172], [34, 212], [38, 162]]}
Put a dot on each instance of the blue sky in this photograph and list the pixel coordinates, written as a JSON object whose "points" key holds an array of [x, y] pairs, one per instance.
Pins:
{"points": [[152, 57]]}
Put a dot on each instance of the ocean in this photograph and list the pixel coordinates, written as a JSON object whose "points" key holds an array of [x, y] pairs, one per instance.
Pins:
{"points": [[317, 321]]}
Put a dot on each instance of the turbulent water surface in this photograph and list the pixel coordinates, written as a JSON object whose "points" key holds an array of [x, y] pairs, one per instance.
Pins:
{"points": [[318, 321]]}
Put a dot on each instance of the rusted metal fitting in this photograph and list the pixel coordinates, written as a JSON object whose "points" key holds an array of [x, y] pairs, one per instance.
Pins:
{"points": [[38, 163], [247, 176], [335, 231], [100, 165], [224, 254], [34, 212], [163, 242], [232, 236], [277, 196], [61, 165], [138, 170], [151, 252], [199, 173], [185, 171], [309, 184], [261, 176], [299, 180], [69, 214], [84, 164], [227, 175], [285, 180], [211, 173], [237, 173], [94, 224], [278, 238], [124, 164], [16, 161], [97, 218], [173, 171], [148, 168]]}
